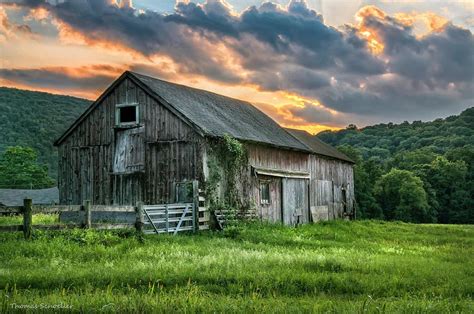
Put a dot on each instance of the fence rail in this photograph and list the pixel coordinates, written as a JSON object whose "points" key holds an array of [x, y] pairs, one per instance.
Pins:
{"points": [[52, 209], [148, 219]]}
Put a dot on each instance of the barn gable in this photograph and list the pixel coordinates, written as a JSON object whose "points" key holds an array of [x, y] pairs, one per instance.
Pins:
{"points": [[108, 164], [110, 91]]}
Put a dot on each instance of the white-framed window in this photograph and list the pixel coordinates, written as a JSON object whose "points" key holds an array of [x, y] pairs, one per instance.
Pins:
{"points": [[264, 192], [127, 114]]}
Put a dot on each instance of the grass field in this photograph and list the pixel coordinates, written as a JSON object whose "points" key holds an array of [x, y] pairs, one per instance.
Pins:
{"points": [[365, 266]]}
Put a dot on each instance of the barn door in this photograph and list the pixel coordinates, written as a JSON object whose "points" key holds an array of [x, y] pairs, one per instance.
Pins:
{"points": [[128, 166], [129, 151], [295, 201], [270, 198], [322, 194]]}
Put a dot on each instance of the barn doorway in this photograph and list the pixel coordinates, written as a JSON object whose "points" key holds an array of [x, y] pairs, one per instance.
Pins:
{"points": [[269, 198], [295, 209]]}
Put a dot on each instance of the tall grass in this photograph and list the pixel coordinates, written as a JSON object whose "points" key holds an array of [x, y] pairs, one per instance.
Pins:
{"points": [[38, 219], [366, 266]]}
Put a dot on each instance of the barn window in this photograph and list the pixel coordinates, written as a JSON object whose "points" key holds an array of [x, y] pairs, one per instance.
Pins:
{"points": [[264, 193], [126, 114]]}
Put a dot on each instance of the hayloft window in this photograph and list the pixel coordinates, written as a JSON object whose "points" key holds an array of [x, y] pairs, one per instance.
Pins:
{"points": [[264, 193], [126, 114]]}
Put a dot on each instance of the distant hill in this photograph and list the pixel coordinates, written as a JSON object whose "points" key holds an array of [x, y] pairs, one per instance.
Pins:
{"points": [[37, 119], [382, 141], [417, 172]]}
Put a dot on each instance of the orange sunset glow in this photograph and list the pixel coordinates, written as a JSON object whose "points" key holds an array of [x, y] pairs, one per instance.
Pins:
{"points": [[301, 82]]}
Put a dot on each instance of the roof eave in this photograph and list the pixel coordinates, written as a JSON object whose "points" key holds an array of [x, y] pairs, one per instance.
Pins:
{"points": [[301, 150], [347, 159]]}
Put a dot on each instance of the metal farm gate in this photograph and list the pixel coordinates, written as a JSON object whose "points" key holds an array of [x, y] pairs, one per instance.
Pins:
{"points": [[187, 214], [168, 218]]}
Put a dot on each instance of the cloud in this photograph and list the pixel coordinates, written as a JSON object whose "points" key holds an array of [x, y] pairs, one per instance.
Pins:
{"points": [[9, 29], [381, 67], [424, 75], [82, 81]]}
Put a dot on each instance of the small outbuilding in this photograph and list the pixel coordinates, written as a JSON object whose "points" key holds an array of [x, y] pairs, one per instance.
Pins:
{"points": [[15, 197], [143, 137]]}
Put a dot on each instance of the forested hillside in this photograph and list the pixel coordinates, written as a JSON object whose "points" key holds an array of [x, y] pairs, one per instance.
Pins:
{"points": [[36, 120], [420, 171]]}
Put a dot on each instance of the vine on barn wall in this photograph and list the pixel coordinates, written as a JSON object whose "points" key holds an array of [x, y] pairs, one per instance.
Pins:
{"points": [[225, 162]]}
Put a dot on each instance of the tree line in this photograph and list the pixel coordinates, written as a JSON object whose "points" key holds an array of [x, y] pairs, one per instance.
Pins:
{"points": [[414, 172]]}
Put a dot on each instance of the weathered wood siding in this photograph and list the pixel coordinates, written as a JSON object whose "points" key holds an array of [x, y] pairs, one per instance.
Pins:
{"points": [[295, 199], [328, 178], [112, 166], [276, 158], [261, 156]]}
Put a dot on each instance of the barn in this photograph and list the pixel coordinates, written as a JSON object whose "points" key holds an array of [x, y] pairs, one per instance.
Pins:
{"points": [[144, 137]]}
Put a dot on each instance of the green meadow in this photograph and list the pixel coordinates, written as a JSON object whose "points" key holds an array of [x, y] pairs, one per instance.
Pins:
{"points": [[341, 267]]}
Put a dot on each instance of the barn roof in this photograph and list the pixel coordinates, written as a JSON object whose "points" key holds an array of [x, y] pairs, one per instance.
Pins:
{"points": [[14, 197], [317, 146], [216, 115]]}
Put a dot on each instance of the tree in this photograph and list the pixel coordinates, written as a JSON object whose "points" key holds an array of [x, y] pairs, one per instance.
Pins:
{"points": [[448, 179], [465, 214], [402, 196], [411, 160], [19, 169]]}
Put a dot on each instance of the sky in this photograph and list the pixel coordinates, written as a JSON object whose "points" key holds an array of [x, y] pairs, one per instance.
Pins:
{"points": [[312, 65]]}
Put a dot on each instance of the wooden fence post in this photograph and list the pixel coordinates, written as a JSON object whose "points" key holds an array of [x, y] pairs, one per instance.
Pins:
{"points": [[27, 217], [167, 219], [195, 205], [139, 220], [87, 216]]}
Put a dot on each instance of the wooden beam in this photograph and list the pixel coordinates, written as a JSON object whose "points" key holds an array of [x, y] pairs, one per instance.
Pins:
{"points": [[113, 208]]}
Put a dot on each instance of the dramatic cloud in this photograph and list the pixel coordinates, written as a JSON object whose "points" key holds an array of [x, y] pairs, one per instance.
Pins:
{"points": [[380, 67]]}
